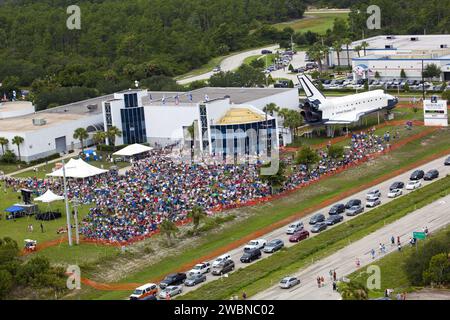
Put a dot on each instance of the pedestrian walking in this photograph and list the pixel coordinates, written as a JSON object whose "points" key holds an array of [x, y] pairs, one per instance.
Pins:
{"points": [[322, 280], [244, 296], [381, 248], [426, 230], [393, 241], [372, 252], [399, 247], [398, 239], [334, 275], [318, 281], [334, 285], [358, 263], [42, 228], [331, 274]]}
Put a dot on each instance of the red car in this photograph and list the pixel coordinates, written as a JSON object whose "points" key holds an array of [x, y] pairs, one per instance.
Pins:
{"points": [[299, 236]]}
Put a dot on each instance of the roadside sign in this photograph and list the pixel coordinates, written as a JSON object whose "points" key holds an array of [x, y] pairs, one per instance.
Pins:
{"points": [[419, 235]]}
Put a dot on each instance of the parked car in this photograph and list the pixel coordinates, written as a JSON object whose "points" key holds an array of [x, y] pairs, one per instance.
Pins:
{"points": [[265, 51], [200, 268], [221, 259], [170, 291], [223, 267], [294, 227], [255, 244], [397, 185], [373, 202], [251, 255], [447, 161], [299, 236], [217, 69], [289, 282], [337, 209], [352, 203], [431, 175], [317, 218], [273, 246], [354, 210], [320, 226], [417, 175], [148, 289], [373, 194], [395, 193], [195, 279], [173, 280], [332, 220], [414, 184]]}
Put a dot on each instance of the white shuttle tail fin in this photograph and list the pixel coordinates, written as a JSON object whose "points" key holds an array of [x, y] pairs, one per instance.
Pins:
{"points": [[310, 89]]}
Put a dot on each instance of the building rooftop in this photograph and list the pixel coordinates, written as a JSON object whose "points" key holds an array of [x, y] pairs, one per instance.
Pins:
{"points": [[237, 95], [405, 42], [240, 115], [54, 116]]}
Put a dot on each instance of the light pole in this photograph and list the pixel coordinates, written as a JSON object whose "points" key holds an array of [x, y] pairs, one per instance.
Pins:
{"points": [[75, 204], [69, 227]]}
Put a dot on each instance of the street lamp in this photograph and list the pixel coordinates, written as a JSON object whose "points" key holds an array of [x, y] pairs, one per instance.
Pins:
{"points": [[69, 227], [75, 204]]}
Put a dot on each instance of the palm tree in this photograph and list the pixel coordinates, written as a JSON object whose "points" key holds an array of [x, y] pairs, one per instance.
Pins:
{"points": [[99, 138], [197, 214], [337, 46], [3, 142], [112, 133], [364, 45], [270, 108], [168, 228], [81, 134], [316, 52], [347, 42], [358, 48], [18, 140], [191, 132], [353, 290]]}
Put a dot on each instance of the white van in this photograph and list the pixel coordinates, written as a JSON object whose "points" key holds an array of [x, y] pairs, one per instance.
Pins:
{"points": [[220, 259], [294, 227]]}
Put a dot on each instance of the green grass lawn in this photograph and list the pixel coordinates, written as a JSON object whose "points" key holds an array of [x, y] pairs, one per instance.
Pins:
{"points": [[393, 275], [260, 275], [315, 22], [264, 215]]}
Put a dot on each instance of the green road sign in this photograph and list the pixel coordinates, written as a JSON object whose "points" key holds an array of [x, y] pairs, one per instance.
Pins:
{"points": [[419, 235]]}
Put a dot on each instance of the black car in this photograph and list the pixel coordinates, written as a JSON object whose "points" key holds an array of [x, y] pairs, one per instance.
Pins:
{"points": [[336, 209], [334, 219], [447, 161], [317, 218], [417, 175], [265, 51], [173, 279], [352, 202], [430, 175], [251, 255], [397, 185]]}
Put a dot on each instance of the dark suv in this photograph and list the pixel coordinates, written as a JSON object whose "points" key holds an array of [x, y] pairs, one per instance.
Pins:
{"points": [[223, 267], [430, 175], [251, 255], [353, 202], [173, 279], [317, 218], [417, 175], [336, 209], [397, 185]]}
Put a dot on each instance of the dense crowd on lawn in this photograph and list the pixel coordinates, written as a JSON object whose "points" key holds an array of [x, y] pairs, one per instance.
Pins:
{"points": [[158, 188]]}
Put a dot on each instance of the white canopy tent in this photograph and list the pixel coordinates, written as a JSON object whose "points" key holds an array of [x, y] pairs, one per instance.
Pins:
{"points": [[132, 150], [48, 197], [77, 168]]}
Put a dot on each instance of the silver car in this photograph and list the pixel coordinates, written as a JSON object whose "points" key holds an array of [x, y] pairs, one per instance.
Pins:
{"points": [[273, 246], [195, 279], [170, 291], [353, 211], [289, 282], [373, 202]]}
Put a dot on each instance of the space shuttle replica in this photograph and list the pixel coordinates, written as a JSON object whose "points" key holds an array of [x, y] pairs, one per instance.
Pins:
{"points": [[318, 110]]}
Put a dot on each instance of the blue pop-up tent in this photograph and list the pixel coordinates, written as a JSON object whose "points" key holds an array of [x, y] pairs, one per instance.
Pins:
{"points": [[15, 212]]}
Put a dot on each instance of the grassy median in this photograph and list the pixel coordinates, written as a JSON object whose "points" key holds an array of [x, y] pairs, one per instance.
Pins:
{"points": [[262, 274]]}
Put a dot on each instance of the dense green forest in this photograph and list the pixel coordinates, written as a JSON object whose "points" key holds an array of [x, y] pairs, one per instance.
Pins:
{"points": [[154, 40]]}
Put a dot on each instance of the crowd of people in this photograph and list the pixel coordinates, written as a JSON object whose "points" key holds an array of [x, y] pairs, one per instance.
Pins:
{"points": [[159, 187]]}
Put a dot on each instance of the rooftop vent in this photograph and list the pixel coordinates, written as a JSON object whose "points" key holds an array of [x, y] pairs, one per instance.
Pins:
{"points": [[390, 37], [414, 38], [39, 122], [389, 46], [443, 46], [92, 107]]}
